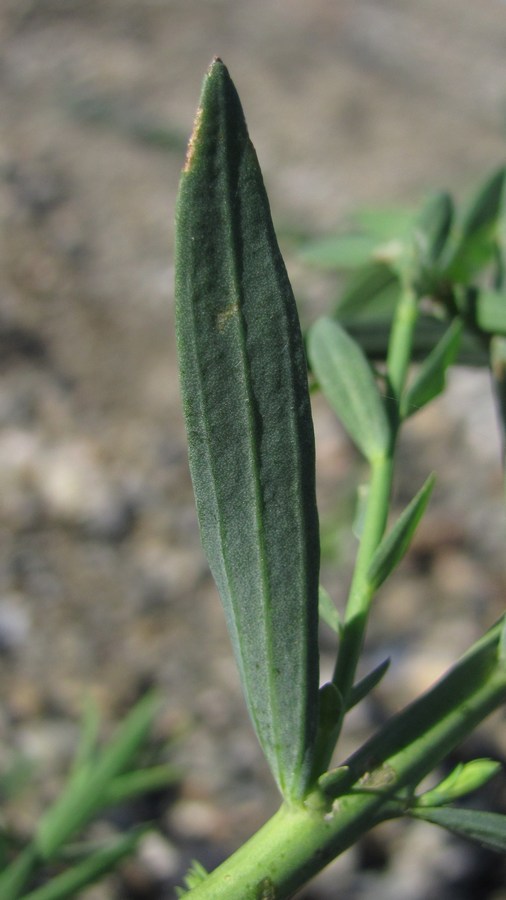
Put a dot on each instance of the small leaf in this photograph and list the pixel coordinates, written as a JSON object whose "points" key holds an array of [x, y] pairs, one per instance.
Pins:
{"points": [[329, 718], [486, 205], [327, 610], [432, 227], [367, 684], [250, 434], [430, 380], [347, 381], [142, 781], [86, 792], [372, 290], [331, 705], [393, 547], [465, 778], [485, 828], [490, 311], [17, 873], [478, 238], [346, 251], [69, 883]]}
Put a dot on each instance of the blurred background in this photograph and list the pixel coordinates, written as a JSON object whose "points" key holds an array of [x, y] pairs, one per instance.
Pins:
{"points": [[103, 586]]}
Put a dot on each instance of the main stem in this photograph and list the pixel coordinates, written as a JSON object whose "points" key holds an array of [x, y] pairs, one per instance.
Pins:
{"points": [[378, 784]]}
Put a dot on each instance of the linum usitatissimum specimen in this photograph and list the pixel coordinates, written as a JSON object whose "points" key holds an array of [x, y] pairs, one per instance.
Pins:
{"points": [[250, 437]]}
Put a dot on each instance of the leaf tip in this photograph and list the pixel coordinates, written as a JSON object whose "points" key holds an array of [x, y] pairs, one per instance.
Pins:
{"points": [[190, 151], [215, 69]]}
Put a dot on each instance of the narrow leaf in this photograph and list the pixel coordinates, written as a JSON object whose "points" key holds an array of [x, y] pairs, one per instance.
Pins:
{"points": [[327, 610], [485, 828], [330, 715], [250, 434], [393, 547], [433, 225], [465, 778], [370, 291], [486, 205], [86, 793], [17, 873], [478, 237], [367, 684], [142, 781], [430, 379], [347, 381], [85, 873], [331, 705], [490, 312]]}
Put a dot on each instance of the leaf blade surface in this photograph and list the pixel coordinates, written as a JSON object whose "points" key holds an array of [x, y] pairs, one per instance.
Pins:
{"points": [[250, 434]]}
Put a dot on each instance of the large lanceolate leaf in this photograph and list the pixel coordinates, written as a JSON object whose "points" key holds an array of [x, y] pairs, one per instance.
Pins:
{"points": [[250, 434]]}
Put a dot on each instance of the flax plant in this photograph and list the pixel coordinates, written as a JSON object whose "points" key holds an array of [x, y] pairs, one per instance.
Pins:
{"points": [[244, 382]]}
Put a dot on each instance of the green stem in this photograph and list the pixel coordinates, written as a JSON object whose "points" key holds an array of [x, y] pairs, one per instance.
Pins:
{"points": [[379, 781], [361, 592], [401, 342], [360, 595]]}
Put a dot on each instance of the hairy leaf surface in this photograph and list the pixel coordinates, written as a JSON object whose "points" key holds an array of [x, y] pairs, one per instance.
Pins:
{"points": [[250, 434]]}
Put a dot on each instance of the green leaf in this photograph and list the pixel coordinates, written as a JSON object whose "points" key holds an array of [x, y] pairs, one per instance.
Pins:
{"points": [[250, 434], [478, 236], [86, 792], [341, 251], [347, 381], [486, 205], [327, 610], [364, 687], [370, 291], [330, 715], [85, 873], [15, 876], [488, 311], [395, 544], [433, 225], [142, 781], [485, 828], [430, 380], [465, 778], [331, 705]]}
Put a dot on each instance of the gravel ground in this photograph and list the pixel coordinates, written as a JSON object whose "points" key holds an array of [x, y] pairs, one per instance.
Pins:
{"points": [[103, 587]]}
